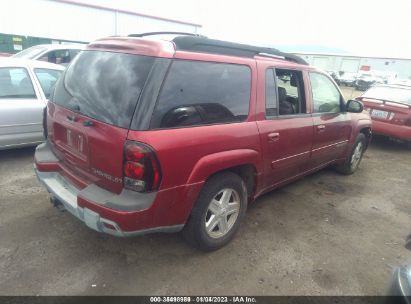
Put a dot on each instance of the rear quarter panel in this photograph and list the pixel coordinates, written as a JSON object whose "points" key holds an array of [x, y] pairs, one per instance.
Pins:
{"points": [[191, 155]]}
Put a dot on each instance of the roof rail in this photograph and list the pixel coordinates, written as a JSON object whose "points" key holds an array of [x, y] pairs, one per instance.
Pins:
{"points": [[165, 33], [196, 43], [270, 55]]}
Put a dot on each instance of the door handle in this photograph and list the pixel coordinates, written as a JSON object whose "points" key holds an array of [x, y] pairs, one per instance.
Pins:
{"points": [[320, 128], [274, 136]]}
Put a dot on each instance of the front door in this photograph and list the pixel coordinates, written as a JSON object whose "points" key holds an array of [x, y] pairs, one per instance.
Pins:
{"points": [[332, 126]]}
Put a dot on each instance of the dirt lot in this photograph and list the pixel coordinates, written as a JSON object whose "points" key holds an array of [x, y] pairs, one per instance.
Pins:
{"points": [[326, 234]]}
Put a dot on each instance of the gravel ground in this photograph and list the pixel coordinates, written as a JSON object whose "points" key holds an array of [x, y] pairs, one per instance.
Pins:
{"points": [[326, 234]]}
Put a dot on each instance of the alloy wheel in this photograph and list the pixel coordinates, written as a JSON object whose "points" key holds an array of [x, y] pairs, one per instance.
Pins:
{"points": [[356, 156], [222, 213]]}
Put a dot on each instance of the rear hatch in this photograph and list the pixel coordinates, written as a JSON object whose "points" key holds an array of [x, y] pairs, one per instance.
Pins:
{"points": [[90, 114], [390, 104]]}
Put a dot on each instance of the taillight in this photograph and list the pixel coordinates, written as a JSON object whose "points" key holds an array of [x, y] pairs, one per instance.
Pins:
{"points": [[141, 168]]}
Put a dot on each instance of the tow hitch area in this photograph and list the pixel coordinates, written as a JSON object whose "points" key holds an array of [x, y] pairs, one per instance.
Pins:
{"points": [[57, 204]]}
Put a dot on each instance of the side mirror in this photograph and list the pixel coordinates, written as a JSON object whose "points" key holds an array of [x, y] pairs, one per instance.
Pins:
{"points": [[354, 106]]}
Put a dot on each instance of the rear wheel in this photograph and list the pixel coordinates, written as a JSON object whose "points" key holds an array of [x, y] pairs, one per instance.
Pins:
{"points": [[217, 213], [353, 160]]}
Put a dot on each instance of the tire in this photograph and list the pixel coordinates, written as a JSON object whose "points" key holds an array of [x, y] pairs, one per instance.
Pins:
{"points": [[353, 160], [223, 216]]}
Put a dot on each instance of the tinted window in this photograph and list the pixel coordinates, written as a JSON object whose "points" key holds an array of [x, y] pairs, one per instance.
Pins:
{"points": [[203, 93], [15, 83], [270, 93], [326, 97], [47, 79], [104, 85], [290, 85], [73, 53]]}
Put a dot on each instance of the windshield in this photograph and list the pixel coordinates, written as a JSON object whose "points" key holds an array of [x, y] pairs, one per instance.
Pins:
{"points": [[395, 94], [104, 85], [30, 53]]}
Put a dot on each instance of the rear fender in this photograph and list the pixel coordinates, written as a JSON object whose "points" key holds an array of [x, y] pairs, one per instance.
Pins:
{"points": [[213, 163]]}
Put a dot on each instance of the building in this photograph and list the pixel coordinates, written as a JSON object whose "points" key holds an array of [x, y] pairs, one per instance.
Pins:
{"points": [[401, 67], [25, 23]]}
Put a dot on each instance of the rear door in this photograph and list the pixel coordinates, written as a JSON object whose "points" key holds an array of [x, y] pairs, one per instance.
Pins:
{"points": [[21, 108], [332, 124], [91, 112], [287, 129]]}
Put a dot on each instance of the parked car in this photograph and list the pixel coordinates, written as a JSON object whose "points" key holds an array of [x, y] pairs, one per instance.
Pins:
{"points": [[365, 80], [53, 53], [184, 134], [348, 79], [25, 86], [390, 110], [405, 82]]}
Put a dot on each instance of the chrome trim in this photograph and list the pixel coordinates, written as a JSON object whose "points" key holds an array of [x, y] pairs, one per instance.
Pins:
{"points": [[288, 157], [26, 124], [340, 143]]}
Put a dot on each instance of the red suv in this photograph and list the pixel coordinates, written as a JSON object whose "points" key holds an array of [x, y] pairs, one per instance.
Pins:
{"points": [[150, 135]]}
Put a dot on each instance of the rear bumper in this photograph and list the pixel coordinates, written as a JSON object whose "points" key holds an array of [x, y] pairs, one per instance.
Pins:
{"points": [[388, 129], [125, 214], [67, 194]]}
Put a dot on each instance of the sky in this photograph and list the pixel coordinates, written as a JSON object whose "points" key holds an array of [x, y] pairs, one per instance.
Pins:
{"points": [[361, 27]]}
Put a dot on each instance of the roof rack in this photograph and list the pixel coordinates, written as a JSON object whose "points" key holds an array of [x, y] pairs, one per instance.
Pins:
{"points": [[198, 43], [165, 33]]}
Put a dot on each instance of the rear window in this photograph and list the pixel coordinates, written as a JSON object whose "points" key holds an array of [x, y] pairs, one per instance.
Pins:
{"points": [[104, 85], [196, 93], [402, 95], [30, 53]]}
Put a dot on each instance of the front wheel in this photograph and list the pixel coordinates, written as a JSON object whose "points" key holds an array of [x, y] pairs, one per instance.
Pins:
{"points": [[217, 213], [353, 160]]}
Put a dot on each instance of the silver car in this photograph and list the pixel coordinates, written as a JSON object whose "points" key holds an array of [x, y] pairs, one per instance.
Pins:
{"points": [[25, 86], [53, 53]]}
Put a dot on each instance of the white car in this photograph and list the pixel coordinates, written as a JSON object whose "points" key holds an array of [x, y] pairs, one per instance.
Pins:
{"points": [[53, 53], [25, 86]]}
